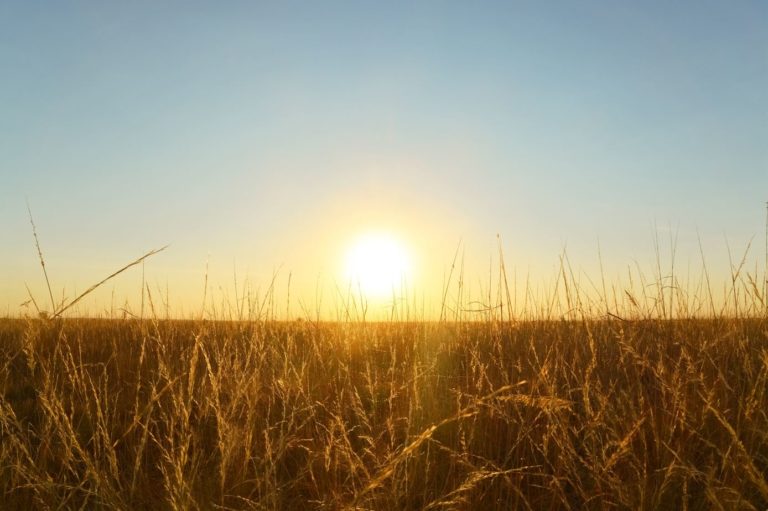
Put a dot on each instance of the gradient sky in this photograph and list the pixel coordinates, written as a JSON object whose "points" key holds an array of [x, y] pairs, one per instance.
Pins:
{"points": [[260, 135]]}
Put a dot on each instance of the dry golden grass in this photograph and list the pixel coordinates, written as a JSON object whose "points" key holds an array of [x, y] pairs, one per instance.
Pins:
{"points": [[580, 414]]}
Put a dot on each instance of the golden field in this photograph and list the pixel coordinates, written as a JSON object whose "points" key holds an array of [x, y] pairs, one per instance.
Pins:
{"points": [[577, 414]]}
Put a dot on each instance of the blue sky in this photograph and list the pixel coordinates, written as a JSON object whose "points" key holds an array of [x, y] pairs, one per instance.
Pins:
{"points": [[263, 135]]}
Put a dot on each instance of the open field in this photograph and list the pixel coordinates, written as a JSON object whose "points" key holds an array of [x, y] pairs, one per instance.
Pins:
{"points": [[611, 414], [383, 256]]}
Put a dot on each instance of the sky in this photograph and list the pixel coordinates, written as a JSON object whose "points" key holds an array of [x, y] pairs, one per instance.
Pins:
{"points": [[260, 138]]}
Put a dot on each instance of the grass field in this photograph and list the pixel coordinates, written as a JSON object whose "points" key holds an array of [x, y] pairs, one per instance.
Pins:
{"points": [[383, 256], [581, 414]]}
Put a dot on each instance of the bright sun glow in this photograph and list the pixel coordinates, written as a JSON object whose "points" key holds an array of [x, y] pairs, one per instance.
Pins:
{"points": [[378, 265]]}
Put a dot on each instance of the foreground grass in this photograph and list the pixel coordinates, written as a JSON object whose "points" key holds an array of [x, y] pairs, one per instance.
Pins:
{"points": [[538, 415]]}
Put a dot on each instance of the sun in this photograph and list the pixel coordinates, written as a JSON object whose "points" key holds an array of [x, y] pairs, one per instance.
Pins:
{"points": [[378, 265]]}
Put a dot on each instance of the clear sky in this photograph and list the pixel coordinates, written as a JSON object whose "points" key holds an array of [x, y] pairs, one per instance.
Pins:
{"points": [[266, 135]]}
